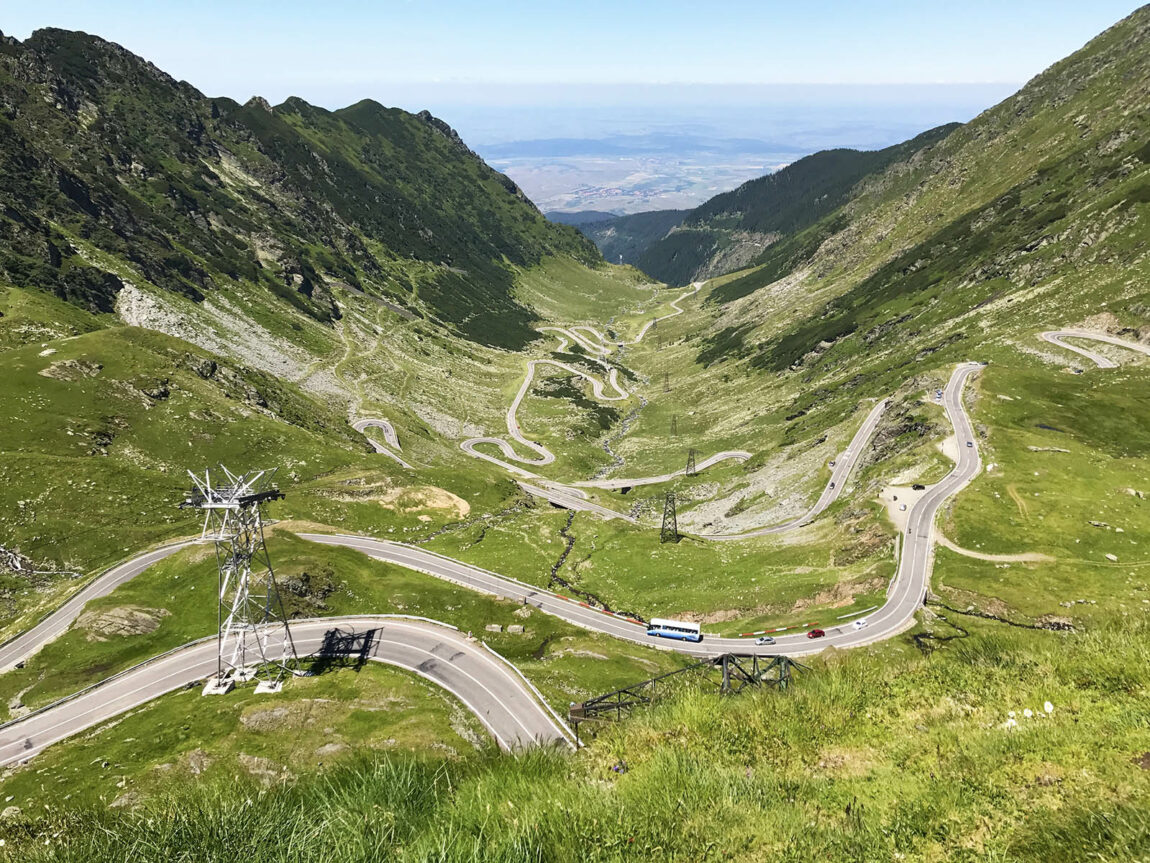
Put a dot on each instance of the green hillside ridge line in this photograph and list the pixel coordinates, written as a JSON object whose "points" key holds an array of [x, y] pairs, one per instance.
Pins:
{"points": [[289, 269], [199, 193], [945, 233], [624, 239], [730, 230]]}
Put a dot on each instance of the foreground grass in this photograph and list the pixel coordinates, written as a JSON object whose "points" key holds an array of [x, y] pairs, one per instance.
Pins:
{"points": [[184, 737], [875, 755]]}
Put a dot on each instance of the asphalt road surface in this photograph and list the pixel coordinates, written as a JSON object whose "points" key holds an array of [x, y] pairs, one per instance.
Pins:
{"points": [[904, 596], [492, 689], [1056, 337], [56, 624], [486, 685], [570, 499], [597, 344], [389, 435], [844, 465]]}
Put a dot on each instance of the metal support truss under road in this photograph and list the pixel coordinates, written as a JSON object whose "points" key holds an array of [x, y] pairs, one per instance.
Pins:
{"points": [[729, 673]]}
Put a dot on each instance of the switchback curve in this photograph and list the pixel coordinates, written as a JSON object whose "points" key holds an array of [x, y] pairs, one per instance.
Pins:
{"points": [[488, 686]]}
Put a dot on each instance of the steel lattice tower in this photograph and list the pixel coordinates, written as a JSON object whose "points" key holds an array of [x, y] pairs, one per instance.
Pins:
{"points": [[670, 530], [254, 639], [691, 471]]}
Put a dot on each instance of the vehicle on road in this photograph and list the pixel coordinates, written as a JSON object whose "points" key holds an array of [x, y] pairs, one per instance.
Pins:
{"points": [[832, 485], [918, 486], [764, 639], [680, 629], [970, 443], [860, 623], [815, 633]]}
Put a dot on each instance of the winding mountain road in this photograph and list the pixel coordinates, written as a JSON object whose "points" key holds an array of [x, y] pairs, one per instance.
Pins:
{"points": [[55, 624], [624, 482], [596, 343], [488, 686], [389, 435], [573, 499], [844, 465], [492, 689], [1057, 337], [904, 596]]}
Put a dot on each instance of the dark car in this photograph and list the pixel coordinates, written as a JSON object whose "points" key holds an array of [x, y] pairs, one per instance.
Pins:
{"points": [[815, 633], [918, 486]]}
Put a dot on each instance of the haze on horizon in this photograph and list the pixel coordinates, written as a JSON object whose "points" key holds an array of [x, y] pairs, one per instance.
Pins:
{"points": [[676, 105]]}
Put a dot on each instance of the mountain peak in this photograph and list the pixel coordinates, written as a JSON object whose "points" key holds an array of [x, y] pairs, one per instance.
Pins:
{"points": [[444, 129]]}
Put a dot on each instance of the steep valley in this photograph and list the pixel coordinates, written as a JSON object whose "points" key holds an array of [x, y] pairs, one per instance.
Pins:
{"points": [[187, 282]]}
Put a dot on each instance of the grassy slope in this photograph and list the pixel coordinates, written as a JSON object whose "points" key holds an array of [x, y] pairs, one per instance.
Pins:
{"points": [[340, 582], [1032, 213], [764, 210], [992, 780], [198, 194], [881, 752], [876, 756], [91, 454]]}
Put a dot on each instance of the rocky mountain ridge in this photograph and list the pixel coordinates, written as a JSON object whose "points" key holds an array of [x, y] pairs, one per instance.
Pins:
{"points": [[114, 172]]}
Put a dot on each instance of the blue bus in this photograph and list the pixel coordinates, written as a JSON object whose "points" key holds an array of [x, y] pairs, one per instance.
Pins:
{"points": [[674, 629]]}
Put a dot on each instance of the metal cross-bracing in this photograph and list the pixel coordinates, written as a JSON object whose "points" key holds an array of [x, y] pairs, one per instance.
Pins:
{"points": [[691, 469], [729, 673], [670, 529], [254, 639]]}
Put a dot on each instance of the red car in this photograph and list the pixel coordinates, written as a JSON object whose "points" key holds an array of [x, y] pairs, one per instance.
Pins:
{"points": [[815, 633]]}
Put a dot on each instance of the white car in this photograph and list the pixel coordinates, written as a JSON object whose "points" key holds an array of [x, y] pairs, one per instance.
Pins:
{"points": [[764, 639], [860, 623]]}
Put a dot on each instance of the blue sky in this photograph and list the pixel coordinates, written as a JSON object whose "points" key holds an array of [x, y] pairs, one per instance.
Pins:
{"points": [[333, 53]]}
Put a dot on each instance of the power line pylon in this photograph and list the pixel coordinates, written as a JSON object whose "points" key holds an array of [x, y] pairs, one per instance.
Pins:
{"points": [[254, 640], [691, 471], [674, 425], [666, 382], [670, 530]]}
